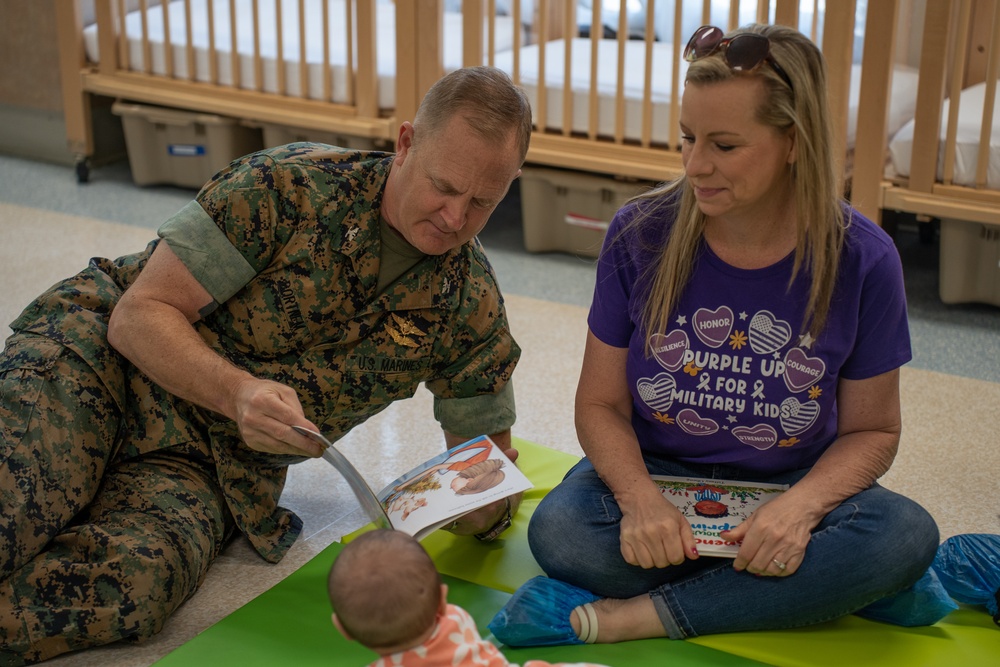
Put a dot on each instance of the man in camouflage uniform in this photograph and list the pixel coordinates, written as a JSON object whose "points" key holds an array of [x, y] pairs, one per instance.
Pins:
{"points": [[146, 403]]}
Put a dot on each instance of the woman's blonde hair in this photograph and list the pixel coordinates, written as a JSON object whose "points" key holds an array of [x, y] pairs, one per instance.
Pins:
{"points": [[819, 216]]}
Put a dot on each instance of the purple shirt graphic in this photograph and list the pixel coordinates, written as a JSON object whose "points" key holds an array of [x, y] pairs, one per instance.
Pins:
{"points": [[735, 378]]}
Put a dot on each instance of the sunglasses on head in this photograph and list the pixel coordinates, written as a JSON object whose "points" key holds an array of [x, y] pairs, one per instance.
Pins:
{"points": [[743, 53]]}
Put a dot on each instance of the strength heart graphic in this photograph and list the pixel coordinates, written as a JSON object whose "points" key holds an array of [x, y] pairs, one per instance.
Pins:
{"points": [[693, 423], [761, 436], [797, 417], [669, 350], [657, 392], [768, 333], [801, 371], [713, 326]]}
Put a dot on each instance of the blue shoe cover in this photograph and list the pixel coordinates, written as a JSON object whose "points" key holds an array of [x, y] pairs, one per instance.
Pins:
{"points": [[969, 568], [924, 603], [538, 614]]}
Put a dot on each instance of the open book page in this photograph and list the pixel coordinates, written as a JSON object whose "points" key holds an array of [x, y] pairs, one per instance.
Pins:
{"points": [[712, 506], [358, 485], [456, 482], [435, 493]]}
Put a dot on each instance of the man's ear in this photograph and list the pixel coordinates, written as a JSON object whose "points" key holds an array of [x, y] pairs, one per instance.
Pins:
{"points": [[340, 626], [404, 142]]}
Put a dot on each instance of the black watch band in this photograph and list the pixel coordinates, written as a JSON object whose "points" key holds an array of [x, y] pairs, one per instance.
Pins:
{"points": [[500, 526]]}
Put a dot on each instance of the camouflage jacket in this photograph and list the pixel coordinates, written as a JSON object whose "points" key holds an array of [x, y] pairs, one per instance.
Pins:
{"points": [[302, 310]]}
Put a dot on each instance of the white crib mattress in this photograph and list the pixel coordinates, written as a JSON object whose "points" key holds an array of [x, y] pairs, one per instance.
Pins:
{"points": [[901, 107], [607, 80], [970, 119], [267, 21]]}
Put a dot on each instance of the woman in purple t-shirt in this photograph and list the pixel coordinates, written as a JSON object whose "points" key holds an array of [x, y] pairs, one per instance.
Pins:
{"points": [[746, 325]]}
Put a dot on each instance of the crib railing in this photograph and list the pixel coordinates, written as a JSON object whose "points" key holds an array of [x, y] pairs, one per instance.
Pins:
{"points": [[419, 39], [944, 72], [557, 144]]}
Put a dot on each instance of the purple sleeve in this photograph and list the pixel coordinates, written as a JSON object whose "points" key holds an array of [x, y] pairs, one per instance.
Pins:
{"points": [[609, 317], [883, 336]]}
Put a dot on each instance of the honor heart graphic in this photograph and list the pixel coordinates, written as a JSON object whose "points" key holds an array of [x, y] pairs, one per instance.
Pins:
{"points": [[669, 350], [713, 326], [761, 436], [801, 372], [657, 392], [693, 423], [797, 417]]}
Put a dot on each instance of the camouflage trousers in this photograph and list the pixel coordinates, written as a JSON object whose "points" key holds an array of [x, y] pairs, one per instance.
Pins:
{"points": [[93, 549]]}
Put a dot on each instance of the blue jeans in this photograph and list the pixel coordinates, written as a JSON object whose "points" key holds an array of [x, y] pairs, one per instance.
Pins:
{"points": [[874, 544]]}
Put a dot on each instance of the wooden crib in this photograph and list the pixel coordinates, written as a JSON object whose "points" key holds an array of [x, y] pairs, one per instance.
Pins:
{"points": [[617, 118]]}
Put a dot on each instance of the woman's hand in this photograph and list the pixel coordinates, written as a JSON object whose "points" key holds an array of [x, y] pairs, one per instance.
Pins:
{"points": [[654, 533], [775, 537]]}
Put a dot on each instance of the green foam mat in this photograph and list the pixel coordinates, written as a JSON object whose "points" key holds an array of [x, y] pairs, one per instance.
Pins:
{"points": [[290, 624]]}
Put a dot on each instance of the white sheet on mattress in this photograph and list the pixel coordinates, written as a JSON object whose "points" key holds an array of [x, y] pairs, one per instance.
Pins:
{"points": [[607, 78], [386, 49], [970, 119], [901, 108]]}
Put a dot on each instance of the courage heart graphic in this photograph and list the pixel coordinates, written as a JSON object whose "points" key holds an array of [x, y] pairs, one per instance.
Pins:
{"points": [[669, 350], [657, 392], [797, 417], [693, 423], [801, 371], [713, 326], [761, 436]]}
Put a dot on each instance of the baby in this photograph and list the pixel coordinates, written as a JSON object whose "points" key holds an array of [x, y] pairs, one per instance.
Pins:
{"points": [[387, 595]]}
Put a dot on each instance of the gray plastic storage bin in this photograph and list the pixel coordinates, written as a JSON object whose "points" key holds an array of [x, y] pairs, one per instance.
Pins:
{"points": [[970, 262], [177, 147], [570, 211]]}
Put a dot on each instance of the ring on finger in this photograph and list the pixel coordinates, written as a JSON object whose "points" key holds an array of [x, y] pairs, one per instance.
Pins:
{"points": [[781, 566]]}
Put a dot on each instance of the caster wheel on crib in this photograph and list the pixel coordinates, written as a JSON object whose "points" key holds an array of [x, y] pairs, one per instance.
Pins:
{"points": [[927, 231], [82, 170]]}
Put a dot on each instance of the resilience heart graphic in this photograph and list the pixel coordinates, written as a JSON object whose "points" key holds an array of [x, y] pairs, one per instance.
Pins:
{"points": [[768, 333], [693, 423], [761, 436], [797, 417], [657, 392], [713, 326], [801, 371], [669, 350]]}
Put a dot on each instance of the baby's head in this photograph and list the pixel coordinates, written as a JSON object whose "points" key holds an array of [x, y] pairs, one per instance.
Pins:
{"points": [[385, 591]]}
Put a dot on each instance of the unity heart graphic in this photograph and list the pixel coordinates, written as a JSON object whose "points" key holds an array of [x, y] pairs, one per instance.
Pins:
{"points": [[669, 350], [693, 423], [657, 392], [768, 333], [761, 436], [798, 417], [713, 326], [801, 371]]}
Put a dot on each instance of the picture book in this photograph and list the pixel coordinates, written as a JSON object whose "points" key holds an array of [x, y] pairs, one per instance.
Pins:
{"points": [[712, 506], [437, 492]]}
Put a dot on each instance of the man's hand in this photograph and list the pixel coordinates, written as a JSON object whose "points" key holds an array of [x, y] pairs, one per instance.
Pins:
{"points": [[490, 515], [484, 518], [265, 413]]}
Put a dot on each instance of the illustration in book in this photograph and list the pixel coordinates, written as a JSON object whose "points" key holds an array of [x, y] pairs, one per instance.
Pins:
{"points": [[437, 492], [712, 506]]}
